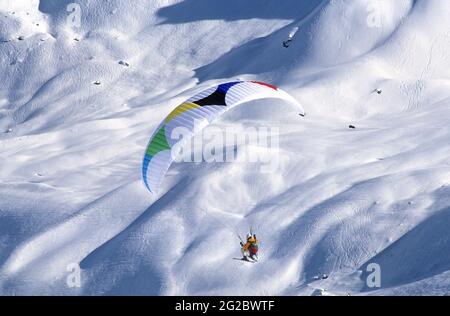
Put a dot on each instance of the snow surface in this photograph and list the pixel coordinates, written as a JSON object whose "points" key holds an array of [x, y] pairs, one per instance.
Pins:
{"points": [[71, 150]]}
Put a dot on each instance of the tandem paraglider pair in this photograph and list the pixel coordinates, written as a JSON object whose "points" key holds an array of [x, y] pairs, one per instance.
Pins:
{"points": [[195, 114], [250, 248]]}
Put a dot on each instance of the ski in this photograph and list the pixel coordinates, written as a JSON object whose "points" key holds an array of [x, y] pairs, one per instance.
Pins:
{"points": [[246, 260]]}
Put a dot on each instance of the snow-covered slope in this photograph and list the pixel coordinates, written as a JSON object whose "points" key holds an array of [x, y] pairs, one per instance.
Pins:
{"points": [[75, 120]]}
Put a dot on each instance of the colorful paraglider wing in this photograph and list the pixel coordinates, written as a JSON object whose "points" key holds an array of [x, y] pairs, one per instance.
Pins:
{"points": [[193, 115]]}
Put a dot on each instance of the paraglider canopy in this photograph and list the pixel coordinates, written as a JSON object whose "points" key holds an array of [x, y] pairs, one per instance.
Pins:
{"points": [[196, 113]]}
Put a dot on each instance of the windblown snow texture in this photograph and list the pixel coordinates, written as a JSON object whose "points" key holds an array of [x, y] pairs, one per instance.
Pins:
{"points": [[74, 125]]}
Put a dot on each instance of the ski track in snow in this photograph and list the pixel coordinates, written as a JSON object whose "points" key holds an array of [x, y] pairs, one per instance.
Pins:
{"points": [[71, 150]]}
